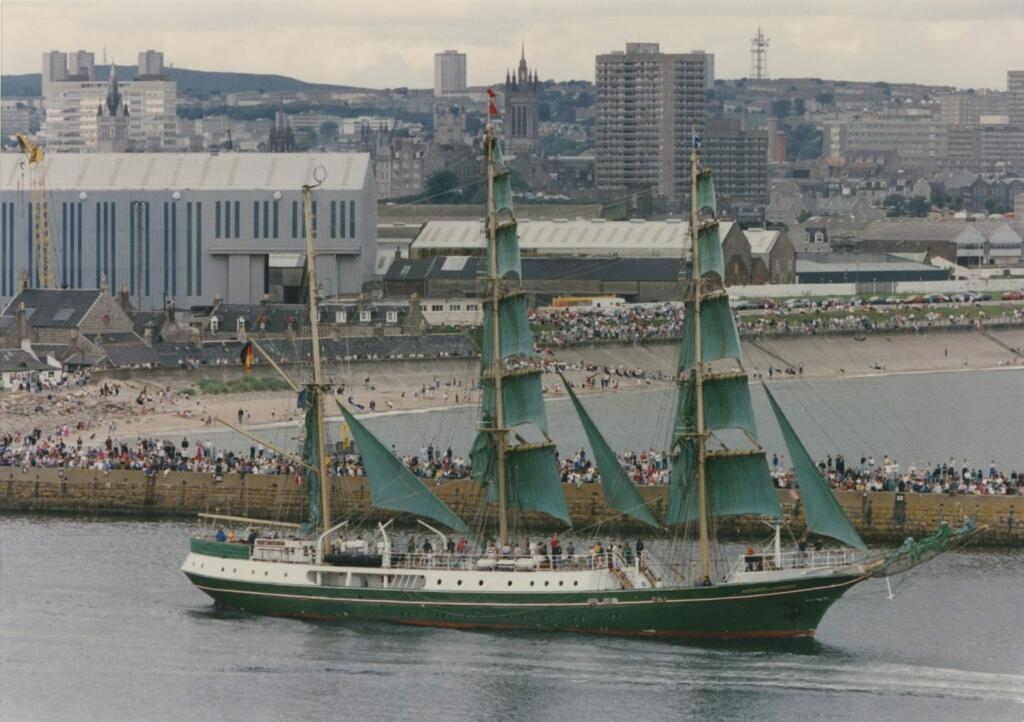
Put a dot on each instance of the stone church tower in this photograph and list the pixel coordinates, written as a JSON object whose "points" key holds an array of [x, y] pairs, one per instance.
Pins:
{"points": [[521, 90], [112, 119]]}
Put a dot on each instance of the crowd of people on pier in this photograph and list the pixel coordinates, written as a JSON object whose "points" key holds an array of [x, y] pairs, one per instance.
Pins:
{"points": [[64, 449]]}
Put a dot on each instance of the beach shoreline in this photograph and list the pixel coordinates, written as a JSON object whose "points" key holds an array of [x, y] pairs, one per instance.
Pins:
{"points": [[423, 386]]}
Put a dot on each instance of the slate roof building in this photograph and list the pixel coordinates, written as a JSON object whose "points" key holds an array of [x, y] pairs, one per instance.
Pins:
{"points": [[863, 269], [189, 226]]}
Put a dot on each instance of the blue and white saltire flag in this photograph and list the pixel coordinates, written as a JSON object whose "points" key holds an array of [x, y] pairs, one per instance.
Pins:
{"points": [[696, 140]]}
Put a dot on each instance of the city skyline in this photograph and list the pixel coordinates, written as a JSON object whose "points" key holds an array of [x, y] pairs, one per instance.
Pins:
{"points": [[394, 44]]}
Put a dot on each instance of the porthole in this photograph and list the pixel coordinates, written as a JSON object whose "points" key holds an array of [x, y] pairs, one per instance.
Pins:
{"points": [[481, 582], [222, 568], [546, 582], [576, 583], [253, 571], [561, 583], [286, 574], [266, 574], [458, 583], [438, 581], [532, 582], [510, 582]]}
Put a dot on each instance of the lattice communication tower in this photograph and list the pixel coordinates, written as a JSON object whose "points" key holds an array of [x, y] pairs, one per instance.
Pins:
{"points": [[759, 56]]}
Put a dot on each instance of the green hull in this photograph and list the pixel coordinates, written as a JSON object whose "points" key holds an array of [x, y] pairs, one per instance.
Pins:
{"points": [[735, 611]]}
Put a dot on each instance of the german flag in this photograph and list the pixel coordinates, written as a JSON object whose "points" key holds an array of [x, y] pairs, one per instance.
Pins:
{"points": [[247, 356]]}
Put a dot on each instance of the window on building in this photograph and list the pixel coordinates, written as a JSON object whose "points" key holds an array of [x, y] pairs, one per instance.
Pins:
{"points": [[472, 307], [214, 324], [455, 307], [276, 208], [227, 219], [365, 316], [340, 317], [255, 219], [334, 219], [392, 316], [240, 324], [341, 218], [295, 219], [351, 219], [238, 218], [216, 219], [437, 307]]}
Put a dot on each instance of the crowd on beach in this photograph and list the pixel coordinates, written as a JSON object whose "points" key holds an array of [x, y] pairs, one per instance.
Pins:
{"points": [[554, 327]]}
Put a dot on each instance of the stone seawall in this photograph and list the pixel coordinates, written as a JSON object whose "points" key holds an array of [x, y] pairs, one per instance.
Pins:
{"points": [[880, 517]]}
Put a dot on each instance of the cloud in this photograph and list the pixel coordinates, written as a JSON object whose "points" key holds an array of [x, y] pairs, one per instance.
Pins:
{"points": [[393, 43]]}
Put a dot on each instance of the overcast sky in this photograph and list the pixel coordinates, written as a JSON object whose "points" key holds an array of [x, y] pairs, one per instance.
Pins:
{"points": [[387, 43]]}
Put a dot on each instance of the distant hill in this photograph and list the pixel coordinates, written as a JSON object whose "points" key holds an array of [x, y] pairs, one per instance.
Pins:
{"points": [[190, 82]]}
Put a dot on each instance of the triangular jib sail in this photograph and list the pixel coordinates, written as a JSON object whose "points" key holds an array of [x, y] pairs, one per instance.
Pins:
{"points": [[517, 473], [619, 491], [821, 509], [392, 485]]}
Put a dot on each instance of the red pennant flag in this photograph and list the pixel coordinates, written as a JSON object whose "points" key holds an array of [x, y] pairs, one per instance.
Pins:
{"points": [[491, 108], [490, 92]]}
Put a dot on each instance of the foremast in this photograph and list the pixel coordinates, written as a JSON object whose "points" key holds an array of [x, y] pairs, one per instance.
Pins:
{"points": [[315, 390], [700, 432]]}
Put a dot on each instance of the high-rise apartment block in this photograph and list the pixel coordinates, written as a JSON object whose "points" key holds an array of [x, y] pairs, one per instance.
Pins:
{"points": [[74, 98], [648, 105], [967, 108], [738, 157], [449, 73], [1015, 91], [151, 63]]}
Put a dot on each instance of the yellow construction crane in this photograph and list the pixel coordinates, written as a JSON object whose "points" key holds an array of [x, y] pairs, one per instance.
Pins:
{"points": [[45, 264]]}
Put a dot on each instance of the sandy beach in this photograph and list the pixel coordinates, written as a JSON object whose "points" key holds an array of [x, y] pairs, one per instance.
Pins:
{"points": [[404, 386]]}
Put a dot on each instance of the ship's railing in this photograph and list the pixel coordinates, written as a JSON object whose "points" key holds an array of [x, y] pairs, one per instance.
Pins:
{"points": [[767, 560], [507, 563]]}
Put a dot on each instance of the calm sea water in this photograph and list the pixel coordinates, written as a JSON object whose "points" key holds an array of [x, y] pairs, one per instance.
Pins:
{"points": [[97, 623], [916, 418]]}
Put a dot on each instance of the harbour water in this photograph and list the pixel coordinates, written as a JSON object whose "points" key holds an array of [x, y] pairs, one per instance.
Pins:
{"points": [[97, 623], [922, 418]]}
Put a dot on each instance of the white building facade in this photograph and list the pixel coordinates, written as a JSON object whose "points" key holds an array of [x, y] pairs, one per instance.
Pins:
{"points": [[189, 227]]}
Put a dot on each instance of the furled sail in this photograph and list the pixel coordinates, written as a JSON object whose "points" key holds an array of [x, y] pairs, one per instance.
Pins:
{"points": [[619, 491], [532, 481], [823, 513], [392, 485], [736, 475], [310, 454]]}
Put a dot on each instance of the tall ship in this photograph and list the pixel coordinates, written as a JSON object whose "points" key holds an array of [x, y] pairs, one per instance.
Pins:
{"points": [[331, 567]]}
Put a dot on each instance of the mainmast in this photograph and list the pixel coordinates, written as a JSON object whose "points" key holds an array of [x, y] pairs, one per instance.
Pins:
{"points": [[498, 430], [700, 432], [315, 394]]}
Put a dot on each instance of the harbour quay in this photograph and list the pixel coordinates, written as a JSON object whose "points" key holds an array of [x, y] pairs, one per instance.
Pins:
{"points": [[881, 517]]}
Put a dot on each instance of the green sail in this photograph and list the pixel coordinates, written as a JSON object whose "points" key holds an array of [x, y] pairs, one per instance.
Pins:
{"points": [[516, 340], [509, 263], [823, 513], [735, 484], [532, 481], [523, 398], [619, 491], [727, 404], [710, 244], [718, 333], [392, 485], [705, 191], [310, 454]]}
